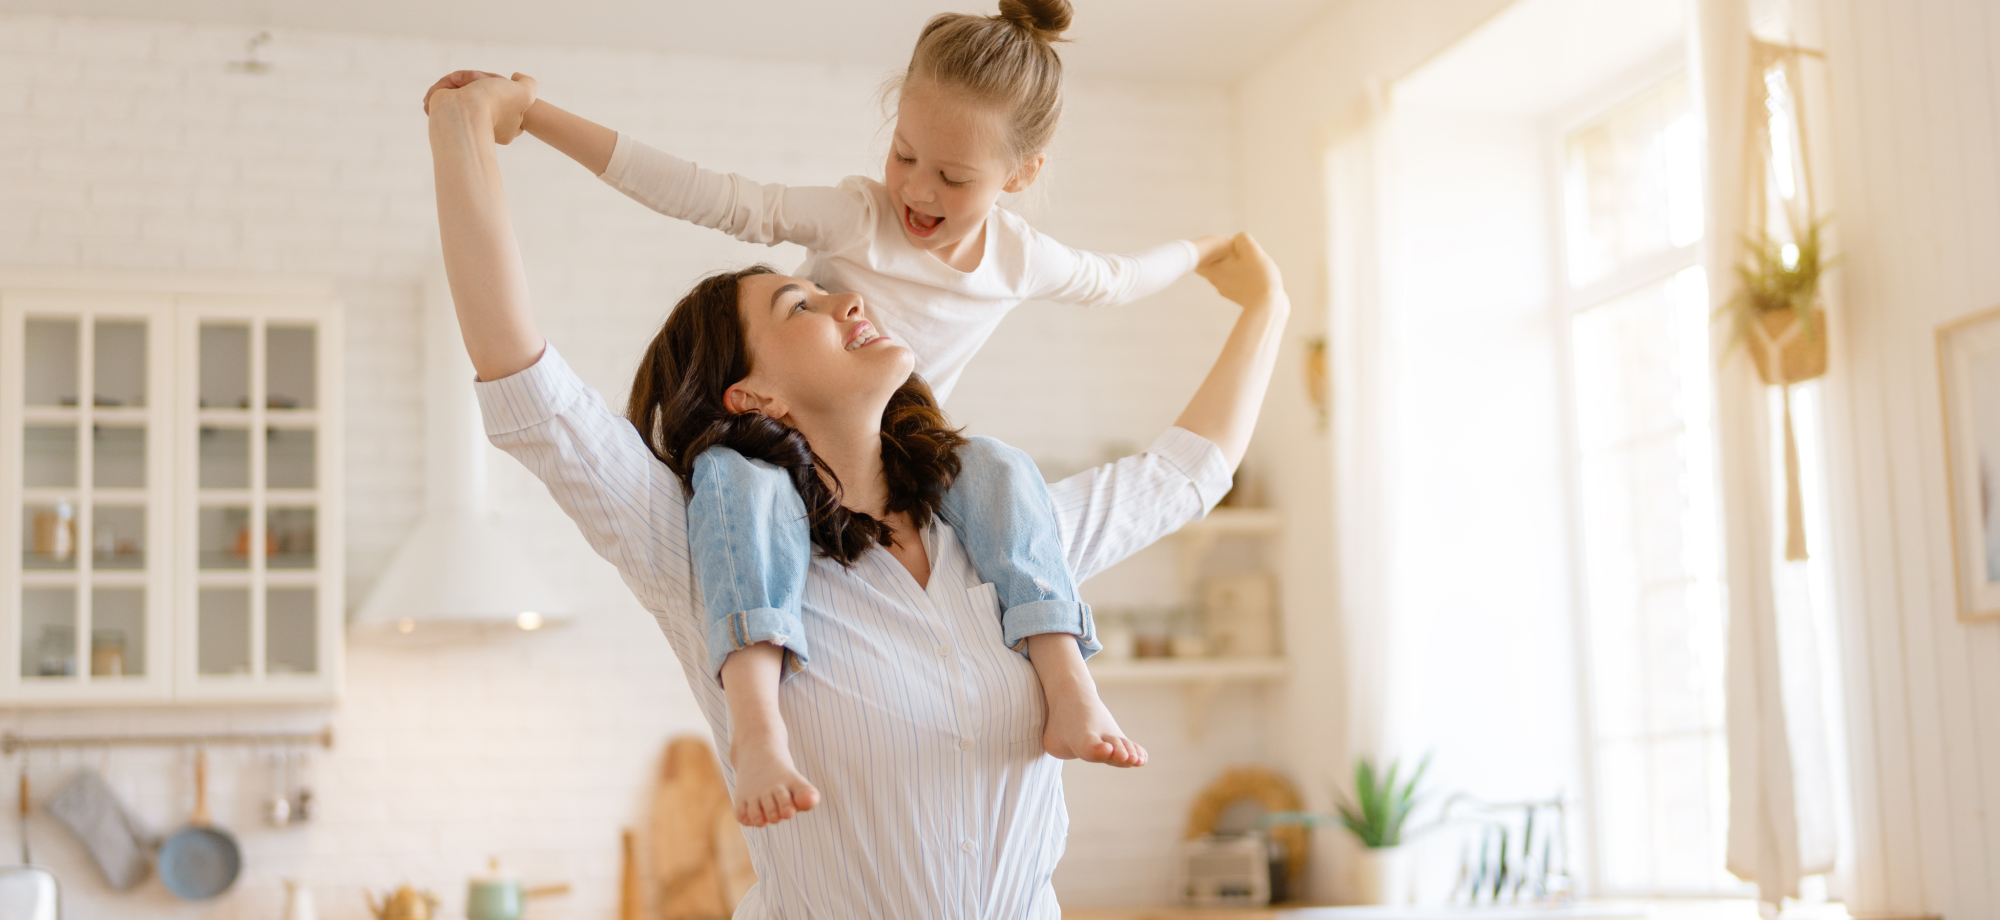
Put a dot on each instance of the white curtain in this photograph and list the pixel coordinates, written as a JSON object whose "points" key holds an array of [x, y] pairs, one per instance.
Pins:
{"points": [[1357, 359], [1358, 367], [1780, 811]]}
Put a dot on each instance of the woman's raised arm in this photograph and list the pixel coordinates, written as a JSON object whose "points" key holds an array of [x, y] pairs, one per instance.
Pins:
{"points": [[481, 258], [1225, 409]]}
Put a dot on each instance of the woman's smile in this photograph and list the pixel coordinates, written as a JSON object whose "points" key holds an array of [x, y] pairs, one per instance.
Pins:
{"points": [[864, 333]]}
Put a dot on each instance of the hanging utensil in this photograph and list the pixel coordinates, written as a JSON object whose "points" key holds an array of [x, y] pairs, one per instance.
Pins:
{"points": [[200, 860], [28, 892], [302, 799], [26, 860], [278, 810]]}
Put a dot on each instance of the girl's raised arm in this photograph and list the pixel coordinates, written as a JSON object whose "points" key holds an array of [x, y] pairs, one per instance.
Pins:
{"points": [[1224, 410], [823, 218], [481, 258], [583, 140]]}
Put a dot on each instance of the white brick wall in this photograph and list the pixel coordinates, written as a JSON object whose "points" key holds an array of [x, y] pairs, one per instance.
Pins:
{"points": [[131, 145]]}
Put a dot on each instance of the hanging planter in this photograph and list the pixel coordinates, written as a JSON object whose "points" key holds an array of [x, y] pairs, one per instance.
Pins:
{"points": [[1787, 349], [1776, 311]]}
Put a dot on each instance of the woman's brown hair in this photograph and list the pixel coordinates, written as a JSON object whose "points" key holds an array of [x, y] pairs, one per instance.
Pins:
{"points": [[1008, 61], [676, 404]]}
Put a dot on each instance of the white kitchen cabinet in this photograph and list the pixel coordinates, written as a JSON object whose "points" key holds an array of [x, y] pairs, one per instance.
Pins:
{"points": [[170, 459]]}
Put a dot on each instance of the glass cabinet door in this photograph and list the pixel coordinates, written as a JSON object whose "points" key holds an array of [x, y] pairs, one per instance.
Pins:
{"points": [[257, 461], [170, 491], [84, 459]]}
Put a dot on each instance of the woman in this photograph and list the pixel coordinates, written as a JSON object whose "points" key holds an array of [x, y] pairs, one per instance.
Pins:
{"points": [[923, 729]]}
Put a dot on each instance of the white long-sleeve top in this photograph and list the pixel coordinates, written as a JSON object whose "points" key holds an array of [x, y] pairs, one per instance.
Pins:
{"points": [[855, 244], [922, 730]]}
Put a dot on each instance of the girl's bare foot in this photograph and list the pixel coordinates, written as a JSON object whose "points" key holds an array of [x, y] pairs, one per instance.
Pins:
{"points": [[1080, 728], [768, 788]]}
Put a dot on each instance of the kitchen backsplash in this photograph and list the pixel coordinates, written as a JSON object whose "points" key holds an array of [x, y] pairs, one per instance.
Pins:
{"points": [[128, 145]]}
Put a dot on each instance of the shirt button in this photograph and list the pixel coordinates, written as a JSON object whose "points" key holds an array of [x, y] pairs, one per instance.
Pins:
{"points": [[966, 846], [965, 744], [944, 651]]}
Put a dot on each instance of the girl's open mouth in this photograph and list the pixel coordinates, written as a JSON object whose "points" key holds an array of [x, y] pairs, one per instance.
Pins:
{"points": [[919, 223]]}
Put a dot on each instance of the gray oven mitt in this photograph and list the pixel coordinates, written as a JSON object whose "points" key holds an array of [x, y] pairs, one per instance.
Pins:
{"points": [[89, 807]]}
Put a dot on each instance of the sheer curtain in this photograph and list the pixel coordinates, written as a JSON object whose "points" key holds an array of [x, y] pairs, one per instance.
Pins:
{"points": [[1359, 366], [1781, 820]]}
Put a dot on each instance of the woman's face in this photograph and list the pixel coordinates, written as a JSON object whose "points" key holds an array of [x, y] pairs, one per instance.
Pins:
{"points": [[813, 352], [946, 167]]}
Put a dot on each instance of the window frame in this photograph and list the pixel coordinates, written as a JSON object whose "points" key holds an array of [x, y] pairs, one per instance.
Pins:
{"points": [[1566, 303]]}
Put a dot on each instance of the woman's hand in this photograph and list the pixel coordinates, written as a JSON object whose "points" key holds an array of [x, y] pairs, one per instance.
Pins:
{"points": [[584, 141], [487, 97], [1243, 273]]}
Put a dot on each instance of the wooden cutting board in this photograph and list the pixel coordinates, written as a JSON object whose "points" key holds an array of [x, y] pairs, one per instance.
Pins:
{"points": [[700, 864]]}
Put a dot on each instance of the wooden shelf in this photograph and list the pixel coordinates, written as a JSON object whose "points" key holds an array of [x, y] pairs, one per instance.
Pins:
{"points": [[1199, 679], [1185, 670]]}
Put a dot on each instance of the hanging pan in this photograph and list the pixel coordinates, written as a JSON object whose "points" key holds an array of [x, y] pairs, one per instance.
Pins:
{"points": [[200, 860]]}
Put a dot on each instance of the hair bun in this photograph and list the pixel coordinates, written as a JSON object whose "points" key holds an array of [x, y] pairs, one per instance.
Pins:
{"points": [[1046, 18]]}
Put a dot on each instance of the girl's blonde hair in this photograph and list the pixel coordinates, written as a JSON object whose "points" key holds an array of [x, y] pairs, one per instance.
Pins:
{"points": [[1008, 61]]}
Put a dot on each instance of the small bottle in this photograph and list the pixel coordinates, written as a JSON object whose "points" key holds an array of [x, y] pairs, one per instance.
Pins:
{"points": [[1184, 639], [64, 541], [298, 902], [1150, 629]]}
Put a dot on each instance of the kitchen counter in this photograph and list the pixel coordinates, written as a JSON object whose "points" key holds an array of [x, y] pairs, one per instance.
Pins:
{"points": [[1609, 910]]}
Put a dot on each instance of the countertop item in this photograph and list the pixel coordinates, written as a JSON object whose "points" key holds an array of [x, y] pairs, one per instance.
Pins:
{"points": [[298, 902], [200, 860], [630, 894], [502, 897], [701, 866], [405, 903], [29, 893]]}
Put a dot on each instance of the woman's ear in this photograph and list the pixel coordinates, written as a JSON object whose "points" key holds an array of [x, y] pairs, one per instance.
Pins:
{"points": [[739, 400], [1026, 175]]}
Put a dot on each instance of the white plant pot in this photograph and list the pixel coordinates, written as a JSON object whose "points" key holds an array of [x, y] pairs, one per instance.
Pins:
{"points": [[1383, 876]]}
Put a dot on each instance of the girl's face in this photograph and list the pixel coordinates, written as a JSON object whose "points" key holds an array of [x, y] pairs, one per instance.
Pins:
{"points": [[947, 166], [813, 352]]}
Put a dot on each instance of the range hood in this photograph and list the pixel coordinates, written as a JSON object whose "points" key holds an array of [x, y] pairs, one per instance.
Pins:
{"points": [[463, 572]]}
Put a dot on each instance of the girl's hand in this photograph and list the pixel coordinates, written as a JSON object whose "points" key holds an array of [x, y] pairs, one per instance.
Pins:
{"points": [[454, 80], [1244, 273], [1210, 248], [505, 102]]}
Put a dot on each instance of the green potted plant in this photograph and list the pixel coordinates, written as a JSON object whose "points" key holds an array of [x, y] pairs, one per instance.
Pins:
{"points": [[1379, 817], [1776, 310]]}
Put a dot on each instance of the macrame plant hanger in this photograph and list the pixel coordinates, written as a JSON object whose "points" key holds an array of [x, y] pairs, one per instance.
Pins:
{"points": [[1796, 351]]}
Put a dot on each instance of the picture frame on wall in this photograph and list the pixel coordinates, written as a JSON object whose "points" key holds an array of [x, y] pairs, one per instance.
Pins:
{"points": [[1969, 383]]}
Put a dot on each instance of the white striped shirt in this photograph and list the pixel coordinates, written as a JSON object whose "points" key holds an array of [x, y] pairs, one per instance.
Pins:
{"points": [[921, 729]]}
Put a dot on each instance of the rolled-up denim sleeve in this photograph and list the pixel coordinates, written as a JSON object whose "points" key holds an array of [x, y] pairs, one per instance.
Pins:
{"points": [[750, 545], [1040, 617]]}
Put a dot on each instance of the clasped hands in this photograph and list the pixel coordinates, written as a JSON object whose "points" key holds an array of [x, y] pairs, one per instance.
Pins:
{"points": [[502, 100]]}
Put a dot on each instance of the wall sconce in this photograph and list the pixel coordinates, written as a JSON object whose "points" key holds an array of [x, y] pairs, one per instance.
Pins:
{"points": [[1319, 387]]}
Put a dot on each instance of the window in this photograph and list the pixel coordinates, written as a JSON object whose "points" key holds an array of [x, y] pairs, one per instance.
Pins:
{"points": [[1652, 612]]}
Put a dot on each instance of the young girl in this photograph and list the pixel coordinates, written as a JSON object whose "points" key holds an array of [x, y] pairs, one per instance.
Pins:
{"points": [[940, 264]]}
